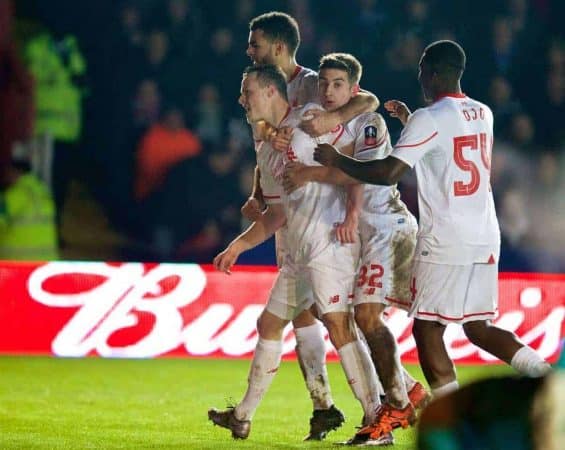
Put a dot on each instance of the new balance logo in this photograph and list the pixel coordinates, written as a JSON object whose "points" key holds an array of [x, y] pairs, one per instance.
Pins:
{"points": [[334, 299]]}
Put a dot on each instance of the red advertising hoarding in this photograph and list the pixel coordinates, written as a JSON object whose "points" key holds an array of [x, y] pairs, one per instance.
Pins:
{"points": [[137, 310]]}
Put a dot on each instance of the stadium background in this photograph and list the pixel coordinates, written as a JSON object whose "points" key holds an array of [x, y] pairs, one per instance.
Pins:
{"points": [[126, 189]]}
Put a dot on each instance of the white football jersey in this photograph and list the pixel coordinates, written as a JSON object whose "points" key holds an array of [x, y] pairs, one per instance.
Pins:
{"points": [[449, 143], [313, 210], [267, 160], [372, 141], [302, 87]]}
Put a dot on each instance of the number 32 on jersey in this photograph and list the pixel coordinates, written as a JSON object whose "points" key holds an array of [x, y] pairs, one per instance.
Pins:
{"points": [[471, 142]]}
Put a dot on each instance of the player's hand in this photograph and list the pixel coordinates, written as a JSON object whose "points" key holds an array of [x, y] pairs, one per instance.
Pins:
{"points": [[319, 122], [346, 232], [326, 154], [252, 209], [225, 260], [294, 176], [264, 131], [280, 141], [398, 109]]}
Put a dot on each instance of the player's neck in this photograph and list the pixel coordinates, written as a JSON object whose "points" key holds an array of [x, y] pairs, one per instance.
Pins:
{"points": [[289, 68], [446, 91], [279, 112]]}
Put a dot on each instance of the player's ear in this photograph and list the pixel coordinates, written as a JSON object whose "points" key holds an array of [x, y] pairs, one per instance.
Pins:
{"points": [[355, 89], [279, 46], [270, 90]]}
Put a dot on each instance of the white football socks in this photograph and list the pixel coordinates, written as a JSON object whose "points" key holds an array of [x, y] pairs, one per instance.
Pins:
{"points": [[263, 368], [311, 352], [452, 386], [529, 363], [409, 381], [361, 376]]}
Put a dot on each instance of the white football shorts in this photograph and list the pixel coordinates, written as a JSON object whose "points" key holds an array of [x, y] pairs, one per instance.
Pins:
{"points": [[385, 270], [454, 294]]}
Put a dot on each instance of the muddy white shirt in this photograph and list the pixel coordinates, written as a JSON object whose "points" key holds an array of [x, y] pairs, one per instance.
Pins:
{"points": [[313, 210], [267, 158], [449, 143], [302, 87], [372, 141]]}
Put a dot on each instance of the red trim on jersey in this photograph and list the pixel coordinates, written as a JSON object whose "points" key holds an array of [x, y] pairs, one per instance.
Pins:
{"points": [[418, 143], [295, 73], [450, 94], [395, 300], [491, 313], [339, 135]]}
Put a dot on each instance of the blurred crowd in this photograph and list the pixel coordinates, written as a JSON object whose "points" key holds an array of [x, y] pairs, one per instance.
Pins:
{"points": [[161, 158]]}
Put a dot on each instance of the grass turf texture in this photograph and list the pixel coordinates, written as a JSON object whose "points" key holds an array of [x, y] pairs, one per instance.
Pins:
{"points": [[109, 403]]}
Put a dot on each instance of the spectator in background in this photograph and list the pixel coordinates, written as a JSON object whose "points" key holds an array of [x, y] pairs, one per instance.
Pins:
{"points": [[504, 105], [165, 144], [58, 68], [549, 108], [185, 27], [521, 133], [131, 32], [145, 107], [16, 90], [209, 115], [514, 229], [27, 216]]}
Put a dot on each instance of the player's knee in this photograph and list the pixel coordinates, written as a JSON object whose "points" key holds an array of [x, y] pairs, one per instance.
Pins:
{"points": [[368, 317], [339, 329], [427, 333], [270, 326], [475, 331], [304, 319]]}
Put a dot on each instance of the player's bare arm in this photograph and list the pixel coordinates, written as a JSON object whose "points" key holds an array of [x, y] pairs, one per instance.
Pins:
{"points": [[346, 231], [386, 171], [398, 109], [297, 174], [259, 231], [322, 122]]}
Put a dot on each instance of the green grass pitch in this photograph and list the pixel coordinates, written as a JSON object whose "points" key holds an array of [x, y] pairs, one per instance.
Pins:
{"points": [[53, 403]]}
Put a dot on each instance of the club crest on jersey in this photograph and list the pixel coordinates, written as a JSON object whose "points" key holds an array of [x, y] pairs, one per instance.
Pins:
{"points": [[370, 135]]}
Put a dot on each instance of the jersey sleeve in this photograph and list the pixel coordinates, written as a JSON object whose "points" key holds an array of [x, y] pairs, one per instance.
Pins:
{"points": [[419, 136], [372, 140], [309, 89], [272, 191]]}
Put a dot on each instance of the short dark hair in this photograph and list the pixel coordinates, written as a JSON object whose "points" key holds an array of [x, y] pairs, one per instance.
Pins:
{"points": [[343, 61], [446, 58], [269, 74], [278, 26]]}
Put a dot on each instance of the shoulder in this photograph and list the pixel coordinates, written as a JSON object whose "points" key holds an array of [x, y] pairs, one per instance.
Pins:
{"points": [[298, 114], [422, 117], [309, 106], [367, 119], [309, 73]]}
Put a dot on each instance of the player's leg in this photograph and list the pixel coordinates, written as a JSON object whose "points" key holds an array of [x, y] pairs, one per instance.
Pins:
{"points": [[331, 281], [311, 354], [507, 347], [435, 362], [266, 358], [503, 344], [384, 352], [384, 280]]}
